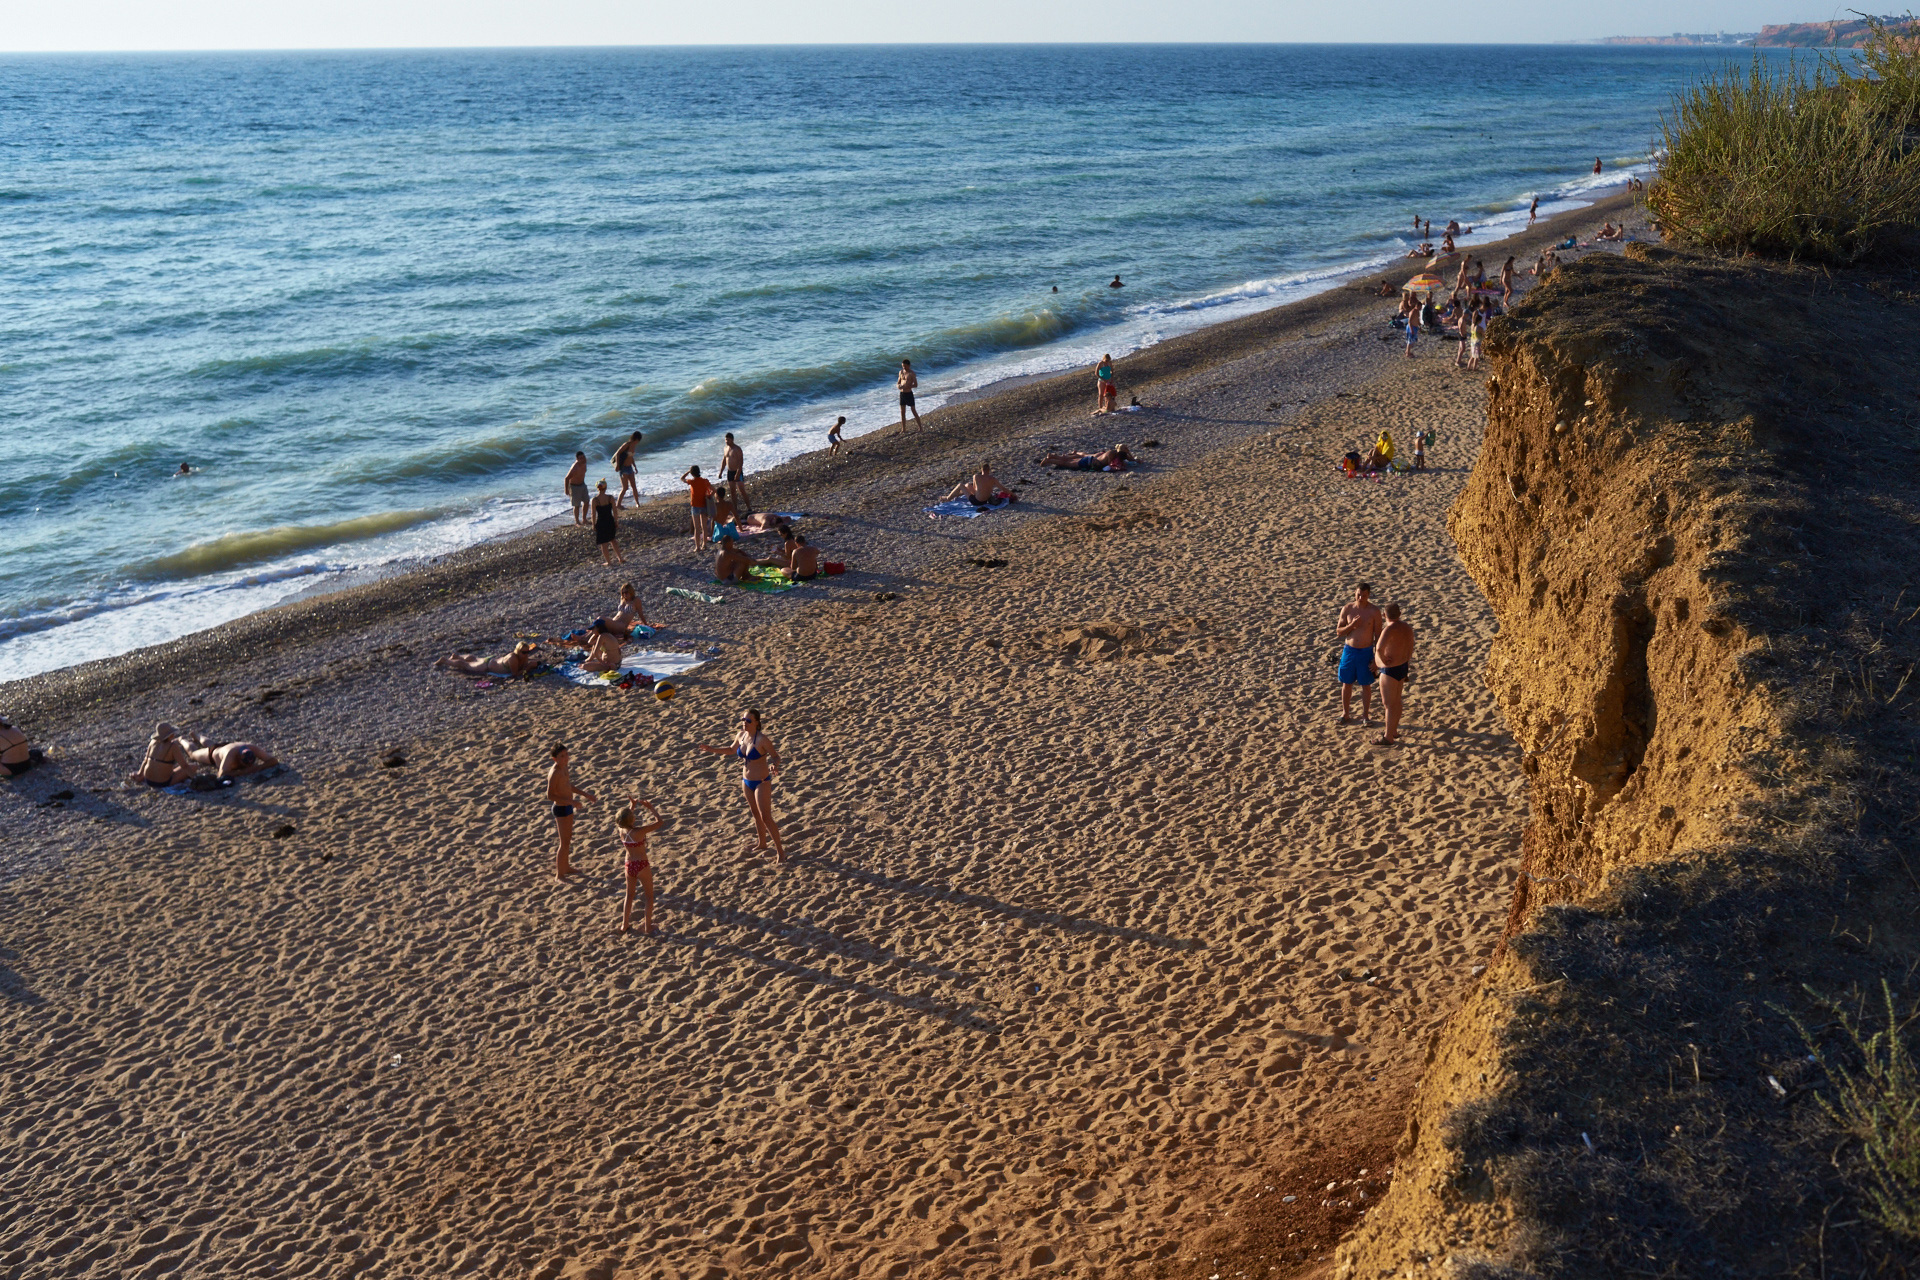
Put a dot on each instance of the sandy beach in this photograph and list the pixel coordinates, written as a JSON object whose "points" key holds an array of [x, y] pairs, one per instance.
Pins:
{"points": [[1102, 937]]}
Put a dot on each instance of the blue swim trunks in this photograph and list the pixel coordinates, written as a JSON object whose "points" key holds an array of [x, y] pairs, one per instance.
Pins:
{"points": [[1356, 665]]}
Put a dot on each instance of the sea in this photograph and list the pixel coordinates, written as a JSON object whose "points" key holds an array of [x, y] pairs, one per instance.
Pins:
{"points": [[376, 300]]}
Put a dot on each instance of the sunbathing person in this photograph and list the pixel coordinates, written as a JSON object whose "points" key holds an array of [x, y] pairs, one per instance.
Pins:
{"points": [[166, 762], [982, 488], [16, 757], [629, 614], [1382, 456], [238, 759], [731, 564], [805, 564], [1116, 458], [515, 664], [603, 648], [1424, 251], [1610, 232]]}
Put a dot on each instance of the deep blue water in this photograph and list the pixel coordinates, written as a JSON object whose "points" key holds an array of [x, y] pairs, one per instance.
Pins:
{"points": [[378, 299]]}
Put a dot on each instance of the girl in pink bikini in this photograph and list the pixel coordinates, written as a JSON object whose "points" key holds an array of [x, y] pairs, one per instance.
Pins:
{"points": [[633, 842]]}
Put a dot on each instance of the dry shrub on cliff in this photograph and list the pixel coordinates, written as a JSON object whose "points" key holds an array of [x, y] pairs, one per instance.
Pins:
{"points": [[1790, 164], [1878, 1104]]}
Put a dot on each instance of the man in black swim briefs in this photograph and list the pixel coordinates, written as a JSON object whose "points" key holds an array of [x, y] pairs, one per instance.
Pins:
{"points": [[907, 381], [1393, 659], [563, 795]]}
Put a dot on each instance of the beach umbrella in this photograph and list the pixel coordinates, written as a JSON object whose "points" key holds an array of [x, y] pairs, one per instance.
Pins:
{"points": [[1421, 283]]}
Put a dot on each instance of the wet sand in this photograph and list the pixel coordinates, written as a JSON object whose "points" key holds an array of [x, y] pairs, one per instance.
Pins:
{"points": [[1074, 955]]}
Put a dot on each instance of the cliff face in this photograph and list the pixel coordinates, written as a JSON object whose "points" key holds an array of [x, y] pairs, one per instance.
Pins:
{"points": [[1696, 517], [1847, 34]]}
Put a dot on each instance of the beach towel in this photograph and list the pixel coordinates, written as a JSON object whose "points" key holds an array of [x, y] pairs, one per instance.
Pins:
{"points": [[700, 596], [652, 663], [765, 578], [963, 507]]}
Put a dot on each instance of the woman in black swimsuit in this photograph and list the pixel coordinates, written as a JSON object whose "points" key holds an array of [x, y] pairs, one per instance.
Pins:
{"points": [[759, 761], [606, 529]]}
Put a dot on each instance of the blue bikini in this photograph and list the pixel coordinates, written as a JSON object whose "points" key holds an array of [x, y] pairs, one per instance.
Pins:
{"points": [[751, 753]]}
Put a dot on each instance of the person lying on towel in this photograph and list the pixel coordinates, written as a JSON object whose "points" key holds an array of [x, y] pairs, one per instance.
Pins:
{"points": [[1114, 459]]}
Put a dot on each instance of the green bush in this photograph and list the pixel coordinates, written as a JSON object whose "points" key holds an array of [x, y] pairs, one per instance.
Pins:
{"points": [[1791, 164], [1879, 1105]]}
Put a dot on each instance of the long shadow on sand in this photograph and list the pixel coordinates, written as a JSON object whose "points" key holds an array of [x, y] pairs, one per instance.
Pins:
{"points": [[981, 902], [12, 986], [960, 1014], [807, 934]]}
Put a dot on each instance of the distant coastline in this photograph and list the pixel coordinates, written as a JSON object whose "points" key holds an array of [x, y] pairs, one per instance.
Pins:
{"points": [[1846, 34]]}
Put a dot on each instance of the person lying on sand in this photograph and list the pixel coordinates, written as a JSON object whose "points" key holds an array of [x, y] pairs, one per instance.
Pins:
{"points": [[166, 762], [515, 664], [238, 759], [731, 564], [16, 757], [628, 614], [805, 563], [603, 648], [563, 796], [633, 843], [982, 488], [1424, 250], [1116, 458]]}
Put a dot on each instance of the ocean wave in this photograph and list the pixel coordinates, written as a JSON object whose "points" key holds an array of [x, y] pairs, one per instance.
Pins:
{"points": [[255, 546]]}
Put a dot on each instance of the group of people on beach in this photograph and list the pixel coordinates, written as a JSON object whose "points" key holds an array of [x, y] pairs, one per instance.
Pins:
{"points": [[759, 761], [1376, 644], [173, 758]]}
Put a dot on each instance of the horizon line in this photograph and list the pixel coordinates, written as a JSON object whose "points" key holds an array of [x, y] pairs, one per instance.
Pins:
{"points": [[1597, 41]]}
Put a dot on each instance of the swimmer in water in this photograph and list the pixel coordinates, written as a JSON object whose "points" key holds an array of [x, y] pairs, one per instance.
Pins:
{"points": [[1116, 284], [184, 470]]}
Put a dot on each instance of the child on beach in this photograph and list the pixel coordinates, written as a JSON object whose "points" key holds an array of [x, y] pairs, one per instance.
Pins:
{"points": [[833, 437], [1413, 332], [563, 795], [633, 840], [1419, 451]]}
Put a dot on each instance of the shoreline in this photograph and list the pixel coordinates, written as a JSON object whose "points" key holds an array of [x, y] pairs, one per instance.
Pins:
{"points": [[1056, 908], [547, 547], [359, 563]]}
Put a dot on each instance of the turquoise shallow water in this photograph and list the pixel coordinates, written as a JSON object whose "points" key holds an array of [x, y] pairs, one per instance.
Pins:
{"points": [[379, 299]]}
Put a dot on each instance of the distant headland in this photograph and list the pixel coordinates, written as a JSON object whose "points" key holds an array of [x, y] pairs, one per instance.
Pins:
{"points": [[1848, 34]]}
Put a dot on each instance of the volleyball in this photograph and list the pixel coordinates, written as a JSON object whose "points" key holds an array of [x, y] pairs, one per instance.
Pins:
{"points": [[664, 691]]}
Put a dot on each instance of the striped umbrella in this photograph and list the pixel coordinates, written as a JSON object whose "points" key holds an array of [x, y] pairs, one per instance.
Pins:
{"points": [[1421, 283]]}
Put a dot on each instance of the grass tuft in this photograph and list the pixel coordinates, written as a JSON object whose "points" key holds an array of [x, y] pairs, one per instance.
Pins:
{"points": [[1879, 1105], [1783, 162]]}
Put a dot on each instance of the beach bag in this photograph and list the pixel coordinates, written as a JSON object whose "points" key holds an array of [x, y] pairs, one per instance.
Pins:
{"points": [[1351, 465], [834, 566]]}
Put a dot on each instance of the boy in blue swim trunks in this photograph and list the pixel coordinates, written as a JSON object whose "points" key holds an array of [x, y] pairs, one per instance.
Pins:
{"points": [[1358, 628]]}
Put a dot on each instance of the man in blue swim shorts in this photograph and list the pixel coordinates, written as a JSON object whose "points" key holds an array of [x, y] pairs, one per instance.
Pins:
{"points": [[1359, 627]]}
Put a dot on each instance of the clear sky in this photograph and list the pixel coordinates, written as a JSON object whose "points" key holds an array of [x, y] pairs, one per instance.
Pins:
{"points": [[336, 24]]}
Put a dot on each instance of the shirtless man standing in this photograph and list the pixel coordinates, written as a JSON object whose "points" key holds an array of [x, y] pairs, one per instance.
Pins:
{"points": [[1392, 656], [576, 487], [563, 795], [732, 470], [907, 381], [1359, 626]]}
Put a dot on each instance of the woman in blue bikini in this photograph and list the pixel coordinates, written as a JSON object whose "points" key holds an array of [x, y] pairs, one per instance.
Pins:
{"points": [[759, 761]]}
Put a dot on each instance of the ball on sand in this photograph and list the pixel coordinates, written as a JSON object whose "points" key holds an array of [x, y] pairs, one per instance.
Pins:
{"points": [[664, 691]]}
